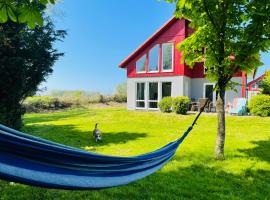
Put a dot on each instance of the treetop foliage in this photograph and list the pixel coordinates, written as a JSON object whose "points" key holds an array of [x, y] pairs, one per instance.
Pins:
{"points": [[23, 11], [229, 36]]}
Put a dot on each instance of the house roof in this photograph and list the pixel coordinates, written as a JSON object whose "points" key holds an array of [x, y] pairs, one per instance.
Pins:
{"points": [[256, 80], [126, 61]]}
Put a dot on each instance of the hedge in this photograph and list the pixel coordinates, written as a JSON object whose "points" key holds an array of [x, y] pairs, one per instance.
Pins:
{"points": [[260, 105]]}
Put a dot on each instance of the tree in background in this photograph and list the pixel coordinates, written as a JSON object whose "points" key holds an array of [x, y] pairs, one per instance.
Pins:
{"points": [[121, 93], [121, 89], [229, 36], [26, 59], [265, 84]]}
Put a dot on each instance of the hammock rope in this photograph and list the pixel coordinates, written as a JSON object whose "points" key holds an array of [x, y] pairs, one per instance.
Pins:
{"points": [[34, 161]]}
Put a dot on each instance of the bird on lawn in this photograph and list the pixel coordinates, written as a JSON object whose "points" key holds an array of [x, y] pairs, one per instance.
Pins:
{"points": [[97, 133]]}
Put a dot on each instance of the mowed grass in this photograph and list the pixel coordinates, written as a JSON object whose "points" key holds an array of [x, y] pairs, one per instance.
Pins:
{"points": [[191, 174]]}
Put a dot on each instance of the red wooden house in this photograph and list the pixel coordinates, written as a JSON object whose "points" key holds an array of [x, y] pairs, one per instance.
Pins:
{"points": [[254, 86], [154, 70]]}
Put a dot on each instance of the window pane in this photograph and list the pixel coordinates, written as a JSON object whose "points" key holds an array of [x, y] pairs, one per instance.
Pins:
{"points": [[141, 64], [153, 91], [167, 51], [140, 104], [166, 89], [153, 58], [208, 92], [140, 91], [153, 104]]}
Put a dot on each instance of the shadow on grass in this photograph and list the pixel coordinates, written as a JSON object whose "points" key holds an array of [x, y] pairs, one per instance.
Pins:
{"points": [[71, 136], [194, 182], [201, 182], [260, 151]]}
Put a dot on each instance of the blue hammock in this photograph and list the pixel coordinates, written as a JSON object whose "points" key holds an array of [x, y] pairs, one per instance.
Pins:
{"points": [[35, 161]]}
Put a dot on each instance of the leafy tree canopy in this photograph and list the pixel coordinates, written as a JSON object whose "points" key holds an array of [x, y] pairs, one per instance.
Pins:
{"points": [[230, 33], [23, 11], [26, 59]]}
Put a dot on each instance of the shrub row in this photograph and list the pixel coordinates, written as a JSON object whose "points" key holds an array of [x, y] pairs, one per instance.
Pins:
{"points": [[260, 105], [39, 103], [178, 104]]}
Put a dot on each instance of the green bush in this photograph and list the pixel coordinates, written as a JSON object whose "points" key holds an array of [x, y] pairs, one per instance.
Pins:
{"points": [[165, 105], [180, 105], [260, 105], [265, 84], [37, 103], [119, 98]]}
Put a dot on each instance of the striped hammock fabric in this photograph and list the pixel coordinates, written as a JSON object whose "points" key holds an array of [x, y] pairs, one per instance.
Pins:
{"points": [[34, 161]]}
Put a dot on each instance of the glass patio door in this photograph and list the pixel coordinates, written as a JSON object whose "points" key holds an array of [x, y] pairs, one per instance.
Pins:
{"points": [[208, 92]]}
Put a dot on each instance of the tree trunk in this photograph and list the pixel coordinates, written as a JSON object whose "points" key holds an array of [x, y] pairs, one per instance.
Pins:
{"points": [[220, 139]]}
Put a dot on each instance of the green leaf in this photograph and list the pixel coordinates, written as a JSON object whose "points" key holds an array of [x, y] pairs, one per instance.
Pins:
{"points": [[38, 18], [181, 4], [11, 14], [44, 2], [23, 16], [3, 15]]}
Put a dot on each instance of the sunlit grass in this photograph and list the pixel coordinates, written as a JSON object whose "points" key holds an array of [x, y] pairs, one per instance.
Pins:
{"points": [[192, 174]]}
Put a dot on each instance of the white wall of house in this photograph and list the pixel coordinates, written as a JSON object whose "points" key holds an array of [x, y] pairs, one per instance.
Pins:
{"points": [[177, 88], [198, 84], [181, 86]]}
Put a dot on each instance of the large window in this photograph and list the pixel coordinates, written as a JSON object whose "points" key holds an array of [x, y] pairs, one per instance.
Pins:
{"points": [[167, 57], [153, 59], [153, 95], [141, 65], [166, 89], [140, 97]]}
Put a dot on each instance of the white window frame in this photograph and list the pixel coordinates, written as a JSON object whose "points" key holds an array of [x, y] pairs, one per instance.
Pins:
{"points": [[148, 97], [158, 58], [168, 70], [140, 108], [141, 72], [161, 96], [214, 93]]}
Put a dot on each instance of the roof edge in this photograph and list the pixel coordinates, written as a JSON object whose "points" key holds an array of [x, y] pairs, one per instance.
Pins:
{"points": [[257, 79], [125, 62]]}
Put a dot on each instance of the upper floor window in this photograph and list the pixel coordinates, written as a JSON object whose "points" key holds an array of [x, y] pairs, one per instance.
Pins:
{"points": [[154, 59], [141, 65], [167, 56]]}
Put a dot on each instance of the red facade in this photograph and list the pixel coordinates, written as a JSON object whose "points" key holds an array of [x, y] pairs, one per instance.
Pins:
{"points": [[174, 31]]}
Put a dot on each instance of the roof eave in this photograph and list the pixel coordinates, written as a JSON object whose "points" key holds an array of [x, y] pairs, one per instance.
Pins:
{"points": [[127, 60]]}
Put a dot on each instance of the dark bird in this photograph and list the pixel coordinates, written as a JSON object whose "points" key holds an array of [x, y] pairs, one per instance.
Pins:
{"points": [[97, 134]]}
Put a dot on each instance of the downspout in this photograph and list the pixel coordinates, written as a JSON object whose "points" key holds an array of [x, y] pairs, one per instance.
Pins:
{"points": [[244, 82]]}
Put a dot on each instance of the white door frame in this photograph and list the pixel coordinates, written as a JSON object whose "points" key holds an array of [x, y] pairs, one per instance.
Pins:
{"points": [[214, 93]]}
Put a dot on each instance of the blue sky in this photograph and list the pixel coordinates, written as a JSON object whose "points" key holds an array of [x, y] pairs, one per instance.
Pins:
{"points": [[101, 34]]}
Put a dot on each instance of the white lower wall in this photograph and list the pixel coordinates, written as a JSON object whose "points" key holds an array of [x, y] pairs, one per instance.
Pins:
{"points": [[181, 86], [197, 89], [177, 87]]}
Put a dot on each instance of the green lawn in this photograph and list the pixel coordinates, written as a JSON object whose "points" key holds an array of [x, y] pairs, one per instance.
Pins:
{"points": [[192, 174]]}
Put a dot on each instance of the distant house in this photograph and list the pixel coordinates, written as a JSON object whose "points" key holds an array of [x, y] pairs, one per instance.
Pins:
{"points": [[154, 71], [254, 86]]}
